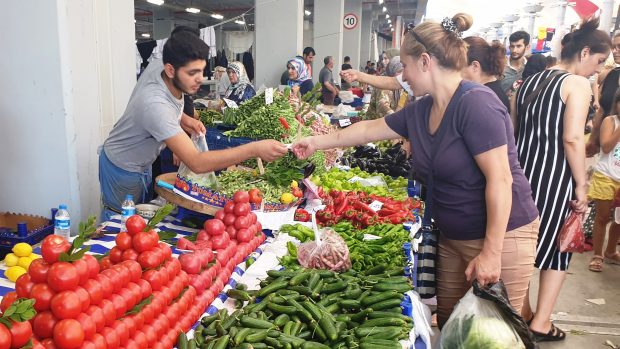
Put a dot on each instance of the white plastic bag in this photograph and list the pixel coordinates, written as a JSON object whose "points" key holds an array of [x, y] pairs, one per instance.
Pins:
{"points": [[208, 179]]}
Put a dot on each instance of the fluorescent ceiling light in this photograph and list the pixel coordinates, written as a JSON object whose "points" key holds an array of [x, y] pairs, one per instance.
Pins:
{"points": [[380, 2], [192, 10], [384, 9], [308, 13], [390, 21], [240, 22], [217, 16], [387, 16], [146, 35], [156, 2], [391, 29]]}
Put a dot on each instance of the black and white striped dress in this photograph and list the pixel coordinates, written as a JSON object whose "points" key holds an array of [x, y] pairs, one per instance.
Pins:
{"points": [[541, 153]]}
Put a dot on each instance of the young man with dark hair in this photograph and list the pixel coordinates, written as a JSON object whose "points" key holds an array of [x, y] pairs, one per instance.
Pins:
{"points": [[154, 118], [519, 46], [308, 56], [326, 78], [345, 66]]}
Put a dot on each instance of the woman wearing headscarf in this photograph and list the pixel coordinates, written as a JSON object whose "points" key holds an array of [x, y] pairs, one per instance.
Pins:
{"points": [[385, 102], [298, 75], [240, 89]]}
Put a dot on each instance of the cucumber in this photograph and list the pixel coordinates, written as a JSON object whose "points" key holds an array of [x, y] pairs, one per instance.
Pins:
{"points": [[313, 310], [222, 343], [182, 342], [305, 335], [299, 278], [376, 269], [281, 320], [232, 319], [281, 273], [191, 344], [259, 345], [385, 304], [281, 309], [380, 344], [239, 294], [313, 345], [387, 314], [352, 294], [378, 332], [295, 342], [328, 326], [256, 336], [349, 304], [313, 279], [285, 292], [288, 327], [382, 322], [317, 331], [334, 287], [380, 297], [272, 342], [240, 337], [359, 317], [301, 311], [276, 285], [402, 288], [250, 322]]}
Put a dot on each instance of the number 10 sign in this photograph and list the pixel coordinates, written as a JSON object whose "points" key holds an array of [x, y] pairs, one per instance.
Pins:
{"points": [[350, 21]]}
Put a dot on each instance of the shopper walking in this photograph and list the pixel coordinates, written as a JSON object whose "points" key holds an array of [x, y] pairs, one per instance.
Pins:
{"points": [[326, 78], [308, 57], [485, 63], [481, 200], [550, 114], [519, 46], [604, 184]]}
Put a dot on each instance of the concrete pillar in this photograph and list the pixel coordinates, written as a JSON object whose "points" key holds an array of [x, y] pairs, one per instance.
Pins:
{"points": [[163, 22], [365, 38], [607, 13], [560, 29], [279, 37], [328, 32], [89, 53], [396, 34], [351, 38]]}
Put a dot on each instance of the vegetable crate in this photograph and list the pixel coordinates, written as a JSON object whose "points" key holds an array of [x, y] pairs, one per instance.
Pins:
{"points": [[216, 140], [16, 228]]}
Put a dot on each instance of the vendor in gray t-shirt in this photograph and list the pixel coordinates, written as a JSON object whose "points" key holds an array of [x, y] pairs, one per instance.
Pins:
{"points": [[154, 119]]}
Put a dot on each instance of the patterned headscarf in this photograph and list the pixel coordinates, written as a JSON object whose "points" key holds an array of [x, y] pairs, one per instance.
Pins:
{"points": [[238, 88], [300, 67], [394, 67]]}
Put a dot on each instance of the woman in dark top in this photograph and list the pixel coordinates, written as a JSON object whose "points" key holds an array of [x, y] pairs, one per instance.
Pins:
{"points": [[298, 75], [240, 89], [484, 64], [464, 147]]}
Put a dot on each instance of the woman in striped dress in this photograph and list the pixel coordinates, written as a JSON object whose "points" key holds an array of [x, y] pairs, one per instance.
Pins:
{"points": [[551, 149]]}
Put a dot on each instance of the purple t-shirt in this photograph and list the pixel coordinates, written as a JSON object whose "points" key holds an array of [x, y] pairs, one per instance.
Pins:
{"points": [[478, 123]]}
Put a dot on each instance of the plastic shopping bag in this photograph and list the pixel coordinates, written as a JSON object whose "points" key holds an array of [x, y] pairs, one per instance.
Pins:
{"points": [[571, 237], [208, 179], [329, 251], [484, 318]]}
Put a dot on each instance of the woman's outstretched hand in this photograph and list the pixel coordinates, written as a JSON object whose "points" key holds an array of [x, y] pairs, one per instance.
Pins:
{"points": [[304, 148]]}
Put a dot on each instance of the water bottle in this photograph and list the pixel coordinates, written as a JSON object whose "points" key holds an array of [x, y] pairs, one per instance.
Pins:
{"points": [[62, 222], [129, 209]]}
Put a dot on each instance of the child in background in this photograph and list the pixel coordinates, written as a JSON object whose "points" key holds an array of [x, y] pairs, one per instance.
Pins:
{"points": [[603, 187]]}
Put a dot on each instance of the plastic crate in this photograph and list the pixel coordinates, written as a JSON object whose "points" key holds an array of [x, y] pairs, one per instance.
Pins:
{"points": [[16, 228], [216, 140]]}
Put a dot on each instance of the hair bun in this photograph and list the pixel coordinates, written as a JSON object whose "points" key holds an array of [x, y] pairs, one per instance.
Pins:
{"points": [[463, 21], [590, 24]]}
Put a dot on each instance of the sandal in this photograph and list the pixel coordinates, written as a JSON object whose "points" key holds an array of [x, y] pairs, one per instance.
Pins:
{"points": [[613, 258], [555, 334], [596, 264], [529, 322]]}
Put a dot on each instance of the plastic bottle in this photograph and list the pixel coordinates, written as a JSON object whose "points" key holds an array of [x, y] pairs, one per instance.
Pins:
{"points": [[62, 222], [129, 209]]}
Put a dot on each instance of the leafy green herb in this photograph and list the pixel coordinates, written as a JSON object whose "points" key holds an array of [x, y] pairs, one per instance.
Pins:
{"points": [[166, 235], [159, 216], [86, 231], [138, 307], [21, 310]]}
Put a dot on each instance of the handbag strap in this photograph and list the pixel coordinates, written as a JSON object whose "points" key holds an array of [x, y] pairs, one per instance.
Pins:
{"points": [[530, 98]]}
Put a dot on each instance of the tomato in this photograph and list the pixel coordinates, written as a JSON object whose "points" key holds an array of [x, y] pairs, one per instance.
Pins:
{"points": [[259, 227], [145, 288], [244, 235], [48, 343], [214, 227], [5, 337], [115, 279], [232, 231], [88, 325], [165, 250], [111, 339], [43, 324], [136, 292], [135, 271], [219, 214], [42, 294], [68, 334], [202, 235], [128, 298], [93, 265], [116, 255], [140, 339], [241, 197], [121, 331], [21, 332], [66, 305], [242, 222], [220, 241], [62, 276], [151, 335], [154, 235], [124, 274], [242, 209], [255, 196], [229, 207], [229, 219], [83, 296], [148, 260], [109, 312], [197, 282], [52, 246], [7, 300], [189, 263], [130, 324], [135, 224], [143, 242], [95, 293], [106, 284], [23, 285], [38, 270], [96, 314], [297, 192], [123, 241], [130, 255], [105, 263], [119, 305], [81, 266], [99, 341], [153, 278]]}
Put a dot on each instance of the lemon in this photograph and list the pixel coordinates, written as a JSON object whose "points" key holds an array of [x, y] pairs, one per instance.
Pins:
{"points": [[13, 273], [22, 249], [287, 198], [11, 260], [294, 184], [24, 262]]}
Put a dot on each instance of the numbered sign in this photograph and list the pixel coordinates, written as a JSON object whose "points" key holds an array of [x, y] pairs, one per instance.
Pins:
{"points": [[350, 21]]}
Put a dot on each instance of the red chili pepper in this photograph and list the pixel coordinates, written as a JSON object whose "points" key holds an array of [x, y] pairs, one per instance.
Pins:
{"points": [[284, 123], [302, 215], [369, 220], [386, 212], [364, 208], [342, 206], [350, 214]]}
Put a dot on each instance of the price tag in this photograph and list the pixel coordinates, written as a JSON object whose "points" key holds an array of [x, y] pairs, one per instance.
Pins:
{"points": [[269, 96], [230, 104], [376, 205], [344, 122], [355, 179]]}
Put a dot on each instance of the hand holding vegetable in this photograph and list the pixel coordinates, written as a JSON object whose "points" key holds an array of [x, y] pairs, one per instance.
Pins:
{"points": [[304, 148], [270, 149], [485, 267]]}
